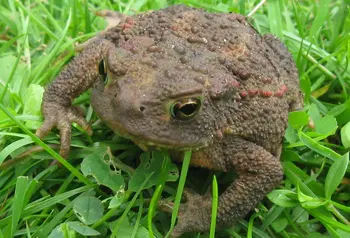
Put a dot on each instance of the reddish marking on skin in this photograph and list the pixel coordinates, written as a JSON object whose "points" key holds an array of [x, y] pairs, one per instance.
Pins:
{"points": [[243, 94], [284, 88], [174, 28], [266, 80], [126, 26], [219, 134], [252, 92], [279, 94], [266, 93], [129, 20], [235, 83]]}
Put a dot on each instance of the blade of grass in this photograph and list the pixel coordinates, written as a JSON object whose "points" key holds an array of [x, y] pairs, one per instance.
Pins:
{"points": [[326, 220], [38, 22], [338, 214], [152, 208], [275, 18], [242, 7], [313, 145], [271, 216], [18, 204], [38, 206], [14, 146], [131, 203], [255, 9], [87, 17], [251, 225], [3, 92], [180, 188], [138, 219], [257, 232], [58, 46], [10, 42], [214, 208], [158, 192], [52, 20], [317, 23], [47, 229], [335, 175]]}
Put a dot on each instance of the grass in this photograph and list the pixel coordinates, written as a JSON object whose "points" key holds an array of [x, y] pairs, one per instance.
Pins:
{"points": [[87, 196]]}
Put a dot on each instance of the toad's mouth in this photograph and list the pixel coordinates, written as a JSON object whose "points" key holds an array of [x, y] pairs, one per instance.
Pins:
{"points": [[148, 142]]}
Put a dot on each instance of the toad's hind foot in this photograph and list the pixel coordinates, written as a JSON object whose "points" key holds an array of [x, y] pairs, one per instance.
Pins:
{"points": [[194, 215]]}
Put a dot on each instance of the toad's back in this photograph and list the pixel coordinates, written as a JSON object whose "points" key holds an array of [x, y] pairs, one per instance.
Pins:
{"points": [[250, 81]]}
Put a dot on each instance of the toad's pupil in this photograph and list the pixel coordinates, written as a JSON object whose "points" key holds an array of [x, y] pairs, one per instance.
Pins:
{"points": [[185, 109], [188, 109], [102, 70]]}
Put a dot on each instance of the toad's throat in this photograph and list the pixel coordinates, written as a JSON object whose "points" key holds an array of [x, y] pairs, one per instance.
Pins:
{"points": [[147, 142]]}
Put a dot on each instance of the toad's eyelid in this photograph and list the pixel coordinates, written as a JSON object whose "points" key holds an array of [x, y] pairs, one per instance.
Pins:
{"points": [[187, 92]]}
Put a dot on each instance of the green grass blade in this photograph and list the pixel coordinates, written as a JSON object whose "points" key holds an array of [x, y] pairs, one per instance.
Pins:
{"points": [[55, 221], [251, 225], [127, 209], [14, 146], [44, 65], [35, 19], [87, 17], [152, 208], [18, 203], [329, 220], [9, 80], [138, 219], [214, 208], [39, 206], [312, 144], [180, 188], [335, 175], [158, 192], [275, 18], [322, 13]]}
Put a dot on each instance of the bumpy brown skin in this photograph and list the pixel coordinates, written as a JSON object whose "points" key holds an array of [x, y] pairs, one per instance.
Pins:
{"points": [[246, 84]]}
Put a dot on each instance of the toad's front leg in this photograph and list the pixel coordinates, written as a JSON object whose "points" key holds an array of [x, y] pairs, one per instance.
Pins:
{"points": [[77, 77], [258, 173]]}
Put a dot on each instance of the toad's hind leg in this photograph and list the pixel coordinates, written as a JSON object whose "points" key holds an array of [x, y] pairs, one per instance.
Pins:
{"points": [[258, 173]]}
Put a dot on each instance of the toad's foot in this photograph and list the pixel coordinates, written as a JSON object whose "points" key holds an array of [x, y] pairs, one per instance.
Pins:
{"points": [[194, 215], [57, 116]]}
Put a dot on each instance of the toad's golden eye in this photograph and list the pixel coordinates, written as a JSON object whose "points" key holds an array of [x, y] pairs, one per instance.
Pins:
{"points": [[185, 109]]}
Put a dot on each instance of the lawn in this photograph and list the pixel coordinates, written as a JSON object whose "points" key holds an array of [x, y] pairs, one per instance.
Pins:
{"points": [[110, 188]]}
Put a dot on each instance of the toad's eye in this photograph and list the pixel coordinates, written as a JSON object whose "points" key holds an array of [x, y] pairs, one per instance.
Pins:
{"points": [[185, 109], [102, 70]]}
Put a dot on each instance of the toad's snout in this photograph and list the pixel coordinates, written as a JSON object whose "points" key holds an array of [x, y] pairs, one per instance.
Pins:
{"points": [[130, 103]]}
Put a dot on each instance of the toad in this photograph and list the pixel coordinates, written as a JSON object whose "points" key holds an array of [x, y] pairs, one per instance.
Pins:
{"points": [[185, 79]]}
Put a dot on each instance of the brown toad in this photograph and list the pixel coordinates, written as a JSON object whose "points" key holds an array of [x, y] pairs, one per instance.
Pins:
{"points": [[182, 78]]}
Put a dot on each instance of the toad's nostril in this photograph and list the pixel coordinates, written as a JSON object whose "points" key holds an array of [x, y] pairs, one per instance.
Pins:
{"points": [[142, 108]]}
